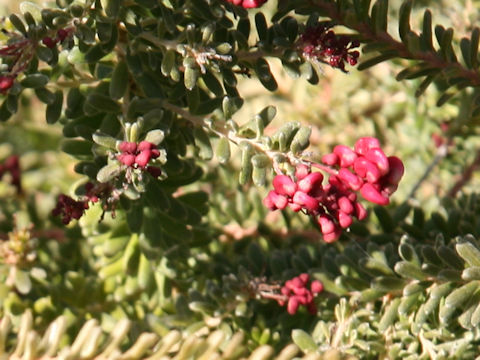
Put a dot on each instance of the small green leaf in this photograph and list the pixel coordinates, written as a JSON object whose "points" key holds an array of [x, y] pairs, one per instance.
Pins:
{"points": [[404, 19], [459, 296], [18, 23], [202, 142], [119, 82], [264, 75], [222, 151], [105, 140], [389, 316], [34, 81], [22, 281], [155, 136], [387, 55], [301, 140], [190, 77], [102, 103], [474, 40], [469, 252], [261, 24], [304, 341], [109, 172]]}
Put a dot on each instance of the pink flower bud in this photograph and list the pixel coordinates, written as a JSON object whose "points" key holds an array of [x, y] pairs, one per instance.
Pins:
{"points": [[350, 179], [330, 159], [302, 299], [370, 193], [308, 202], [344, 220], [62, 34], [333, 236], [126, 159], [285, 291], [310, 181], [396, 170], [6, 82], [128, 147], [289, 285], [143, 158], [360, 211], [292, 305], [366, 143], [366, 169], [316, 287], [377, 156], [345, 205], [297, 283], [326, 224], [304, 277], [283, 185], [275, 201], [301, 171], [145, 145], [301, 291], [250, 4], [346, 155], [295, 207], [155, 153]]}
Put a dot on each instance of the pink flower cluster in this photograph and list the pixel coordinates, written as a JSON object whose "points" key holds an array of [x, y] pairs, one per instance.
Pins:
{"points": [[324, 45], [248, 4], [20, 52], [297, 293], [62, 34], [137, 155], [334, 205], [69, 208], [12, 166]]}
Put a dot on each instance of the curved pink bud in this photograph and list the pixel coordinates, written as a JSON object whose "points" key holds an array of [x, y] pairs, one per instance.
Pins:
{"points": [[330, 159], [127, 147], [378, 157], [300, 291], [344, 220], [292, 305], [283, 185], [333, 236], [366, 143], [268, 202], [316, 286], [345, 205], [308, 202], [346, 155], [304, 277], [366, 169], [146, 145], [155, 153], [295, 207], [326, 224], [370, 193], [312, 180], [396, 170], [278, 200], [301, 171], [303, 299], [360, 211], [350, 179], [143, 158], [126, 159]]}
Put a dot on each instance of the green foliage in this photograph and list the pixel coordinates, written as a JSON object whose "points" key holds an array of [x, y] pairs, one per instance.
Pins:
{"points": [[176, 256]]}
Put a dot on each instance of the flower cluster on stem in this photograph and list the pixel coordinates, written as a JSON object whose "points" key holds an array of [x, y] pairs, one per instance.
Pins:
{"points": [[365, 169], [248, 4], [296, 292], [138, 156], [19, 52], [70, 209], [319, 43]]}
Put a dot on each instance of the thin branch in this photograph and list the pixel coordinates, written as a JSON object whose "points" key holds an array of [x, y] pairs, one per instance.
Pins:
{"points": [[465, 176]]}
